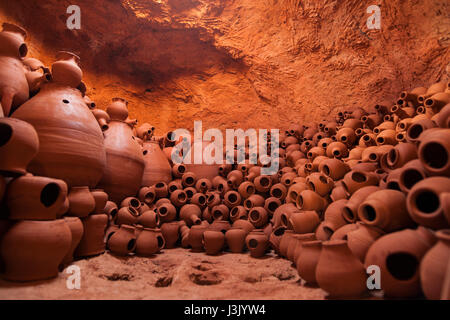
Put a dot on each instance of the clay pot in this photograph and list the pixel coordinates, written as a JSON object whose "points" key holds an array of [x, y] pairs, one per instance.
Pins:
{"points": [[360, 240], [235, 239], [71, 142], [425, 203], [339, 272], [295, 246], [308, 259], [282, 213], [237, 213], [19, 144], [203, 185], [262, 183], [110, 209], [271, 204], [337, 150], [145, 131], [401, 154], [178, 170], [244, 224], [131, 202], [148, 219], [285, 240], [35, 198], [125, 161], [14, 88], [220, 225], [66, 71], [437, 101], [100, 198], [220, 212], [81, 202], [76, 228], [334, 168], [375, 153], [191, 214], [231, 199], [178, 198], [385, 209], [257, 243], [333, 215], [126, 215], [102, 118], [157, 167], [149, 242], [167, 212], [258, 216], [288, 178], [443, 117], [398, 255], [350, 209], [220, 184], [434, 266], [254, 200], [275, 238], [246, 189], [196, 237], [356, 179], [234, 179], [213, 241], [123, 241], [320, 183], [410, 174], [339, 193], [434, 152], [92, 241], [33, 250], [294, 190], [304, 221], [199, 199], [309, 200]]}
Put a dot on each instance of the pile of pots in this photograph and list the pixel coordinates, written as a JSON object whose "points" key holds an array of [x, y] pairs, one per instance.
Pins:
{"points": [[363, 189]]}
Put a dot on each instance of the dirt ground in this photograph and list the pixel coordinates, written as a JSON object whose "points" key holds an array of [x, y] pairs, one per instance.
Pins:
{"points": [[175, 274]]}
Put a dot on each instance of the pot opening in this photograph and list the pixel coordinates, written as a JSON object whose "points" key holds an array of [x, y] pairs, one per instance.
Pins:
{"points": [[272, 206], [254, 215], [343, 138], [293, 195], [287, 181], [211, 198], [131, 244], [348, 214], [135, 203], [264, 181], [312, 186], [23, 50], [323, 180], [435, 155], [393, 157], [234, 212], [232, 198], [369, 212], [5, 133], [182, 195], [393, 185], [50, 194], [277, 193], [380, 140], [144, 152], [189, 194], [172, 188], [326, 170], [243, 168], [279, 232], [202, 200], [162, 211], [113, 213], [402, 265], [336, 153], [427, 202], [358, 177], [253, 243], [411, 177], [189, 180], [181, 169], [414, 131], [65, 101], [284, 219], [217, 214], [159, 185], [300, 201], [160, 241], [220, 187], [328, 231]]}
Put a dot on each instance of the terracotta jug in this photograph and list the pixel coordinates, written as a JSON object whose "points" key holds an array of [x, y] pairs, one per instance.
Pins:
{"points": [[124, 159], [308, 259], [19, 144], [167, 212], [304, 221], [333, 217], [171, 233], [425, 205], [231, 199], [254, 200], [126, 215], [92, 243], [157, 168], [235, 239], [35, 198], [235, 178], [81, 202], [196, 237], [237, 213], [203, 185], [246, 189], [131, 202], [320, 183], [178, 198], [14, 89], [398, 255], [257, 242], [33, 250], [66, 70], [339, 272], [434, 152], [101, 198], [334, 168], [401, 154], [123, 241], [76, 228], [385, 209], [191, 214], [220, 212], [309, 200], [275, 238], [356, 179], [213, 241], [149, 241], [434, 267], [110, 210], [271, 204], [258, 216], [102, 118]]}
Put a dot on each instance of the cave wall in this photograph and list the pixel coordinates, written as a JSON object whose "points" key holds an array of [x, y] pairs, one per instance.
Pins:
{"points": [[242, 63]]}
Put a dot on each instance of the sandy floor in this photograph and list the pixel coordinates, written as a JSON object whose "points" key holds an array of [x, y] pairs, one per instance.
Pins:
{"points": [[175, 274]]}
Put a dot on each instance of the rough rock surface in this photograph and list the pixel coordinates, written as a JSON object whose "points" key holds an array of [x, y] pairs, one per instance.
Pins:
{"points": [[175, 274], [242, 63]]}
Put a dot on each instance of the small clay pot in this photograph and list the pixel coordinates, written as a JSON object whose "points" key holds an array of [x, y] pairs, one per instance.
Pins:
{"points": [[178, 170], [149, 241], [257, 243], [385, 209], [401, 154], [356, 179], [178, 198], [123, 241], [66, 71], [434, 152], [333, 218], [148, 219], [294, 190], [279, 191], [304, 221], [339, 272], [320, 183], [171, 233], [19, 144], [214, 199], [35, 198], [220, 212], [295, 246], [235, 239], [33, 250], [92, 242], [126, 215], [196, 236], [246, 189], [308, 259], [398, 255], [334, 168], [203, 185], [263, 183], [360, 240], [147, 195], [189, 179], [110, 210], [81, 202], [337, 150], [322, 233], [161, 190], [213, 241], [131, 202], [310, 201], [231, 199], [167, 212], [237, 213], [285, 240], [76, 228], [425, 203], [288, 178], [258, 216], [255, 200], [434, 267], [271, 204], [234, 179], [275, 238], [244, 224], [101, 198], [410, 174]]}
